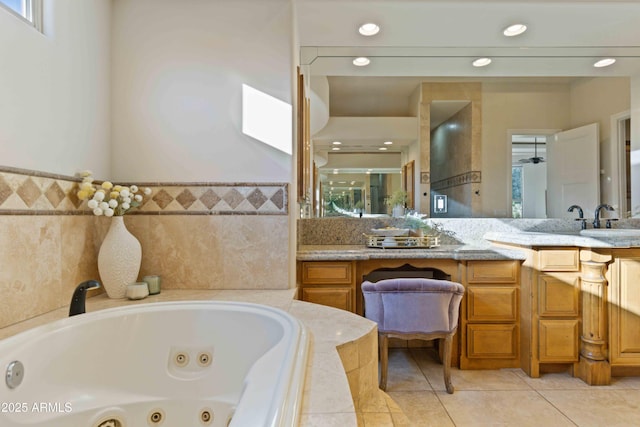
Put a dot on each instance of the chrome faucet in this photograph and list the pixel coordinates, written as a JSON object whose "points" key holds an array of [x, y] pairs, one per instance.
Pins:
{"points": [[580, 215], [79, 296], [596, 221]]}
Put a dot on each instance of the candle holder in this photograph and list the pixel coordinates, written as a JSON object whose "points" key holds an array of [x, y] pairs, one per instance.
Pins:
{"points": [[154, 284]]}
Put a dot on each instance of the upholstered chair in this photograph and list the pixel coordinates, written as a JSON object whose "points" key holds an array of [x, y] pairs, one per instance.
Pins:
{"points": [[414, 308]]}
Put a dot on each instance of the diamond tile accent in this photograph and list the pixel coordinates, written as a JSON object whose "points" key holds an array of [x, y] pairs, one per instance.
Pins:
{"points": [[54, 194], [186, 198], [278, 199], [162, 199], [5, 190], [210, 199], [72, 195], [257, 198], [233, 198], [29, 192]]}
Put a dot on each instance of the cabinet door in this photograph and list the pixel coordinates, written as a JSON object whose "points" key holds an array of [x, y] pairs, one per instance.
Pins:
{"points": [[559, 259], [333, 297], [558, 295], [559, 340], [492, 341], [625, 313], [327, 273], [492, 271], [492, 304]]}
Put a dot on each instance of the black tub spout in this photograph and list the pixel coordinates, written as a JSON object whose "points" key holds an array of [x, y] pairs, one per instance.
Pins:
{"points": [[79, 296]]}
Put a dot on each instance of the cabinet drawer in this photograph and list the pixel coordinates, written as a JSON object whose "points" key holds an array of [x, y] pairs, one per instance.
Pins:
{"points": [[559, 340], [559, 260], [558, 296], [492, 303], [492, 341], [333, 297], [339, 273], [492, 271]]}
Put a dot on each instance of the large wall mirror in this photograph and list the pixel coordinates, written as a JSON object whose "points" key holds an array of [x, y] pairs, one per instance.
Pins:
{"points": [[423, 121]]}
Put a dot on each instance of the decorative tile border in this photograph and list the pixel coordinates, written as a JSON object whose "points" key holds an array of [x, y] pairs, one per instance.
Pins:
{"points": [[471, 177], [26, 192]]}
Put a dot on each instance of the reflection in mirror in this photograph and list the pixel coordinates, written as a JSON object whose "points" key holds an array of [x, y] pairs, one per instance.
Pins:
{"points": [[528, 176], [358, 184], [414, 114]]}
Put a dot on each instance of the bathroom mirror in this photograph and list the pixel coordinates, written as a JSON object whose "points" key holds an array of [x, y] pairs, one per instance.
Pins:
{"points": [[367, 107], [544, 80]]}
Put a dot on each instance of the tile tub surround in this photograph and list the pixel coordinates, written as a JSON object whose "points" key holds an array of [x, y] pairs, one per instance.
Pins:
{"points": [[43, 259], [342, 360], [195, 235]]}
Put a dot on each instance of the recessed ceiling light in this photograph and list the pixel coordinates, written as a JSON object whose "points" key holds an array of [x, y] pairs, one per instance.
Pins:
{"points": [[604, 62], [336, 142], [361, 62], [335, 148], [514, 30], [388, 143], [369, 29], [382, 148], [481, 62]]}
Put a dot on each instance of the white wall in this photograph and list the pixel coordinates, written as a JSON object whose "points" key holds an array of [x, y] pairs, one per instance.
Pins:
{"points": [[508, 106], [54, 89], [178, 69], [596, 100]]}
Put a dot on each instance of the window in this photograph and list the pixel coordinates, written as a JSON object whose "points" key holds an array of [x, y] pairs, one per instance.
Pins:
{"points": [[516, 191], [29, 10]]}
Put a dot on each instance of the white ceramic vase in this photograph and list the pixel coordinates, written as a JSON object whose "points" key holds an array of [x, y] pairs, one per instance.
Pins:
{"points": [[397, 211], [119, 259]]}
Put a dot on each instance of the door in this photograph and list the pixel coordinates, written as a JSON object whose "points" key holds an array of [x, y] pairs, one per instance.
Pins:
{"points": [[573, 171]]}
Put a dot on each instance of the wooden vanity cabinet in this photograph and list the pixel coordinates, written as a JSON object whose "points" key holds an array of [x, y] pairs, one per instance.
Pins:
{"points": [[624, 313], [330, 283], [551, 309], [489, 321]]}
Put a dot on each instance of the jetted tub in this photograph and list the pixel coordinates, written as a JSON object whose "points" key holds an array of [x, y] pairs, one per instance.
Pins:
{"points": [[199, 363]]}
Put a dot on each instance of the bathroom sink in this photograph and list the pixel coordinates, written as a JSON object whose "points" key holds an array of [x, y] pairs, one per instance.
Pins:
{"points": [[611, 232]]}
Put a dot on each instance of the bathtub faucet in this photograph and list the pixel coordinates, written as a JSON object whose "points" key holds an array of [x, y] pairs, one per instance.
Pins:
{"points": [[79, 295]]}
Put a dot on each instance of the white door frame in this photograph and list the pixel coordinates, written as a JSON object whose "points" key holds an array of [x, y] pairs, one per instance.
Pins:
{"points": [[510, 133], [618, 158]]}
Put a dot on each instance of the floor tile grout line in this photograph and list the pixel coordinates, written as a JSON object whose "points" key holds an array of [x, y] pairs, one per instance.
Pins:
{"points": [[446, 411], [556, 408]]}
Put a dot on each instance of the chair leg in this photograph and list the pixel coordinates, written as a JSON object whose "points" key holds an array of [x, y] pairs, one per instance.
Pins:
{"points": [[384, 359], [446, 362]]}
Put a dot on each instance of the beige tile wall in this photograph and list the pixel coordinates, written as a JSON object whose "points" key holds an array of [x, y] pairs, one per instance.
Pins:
{"points": [[194, 235]]}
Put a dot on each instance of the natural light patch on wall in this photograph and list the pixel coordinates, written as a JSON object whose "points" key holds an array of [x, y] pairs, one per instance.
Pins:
{"points": [[266, 119]]}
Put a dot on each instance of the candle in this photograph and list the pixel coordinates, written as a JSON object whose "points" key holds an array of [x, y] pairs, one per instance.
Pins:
{"points": [[154, 284]]}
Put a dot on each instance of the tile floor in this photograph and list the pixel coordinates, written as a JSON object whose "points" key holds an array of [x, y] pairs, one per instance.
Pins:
{"points": [[506, 397]]}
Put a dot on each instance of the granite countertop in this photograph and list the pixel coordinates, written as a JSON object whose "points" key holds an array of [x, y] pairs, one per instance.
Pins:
{"points": [[326, 398], [529, 239], [361, 252]]}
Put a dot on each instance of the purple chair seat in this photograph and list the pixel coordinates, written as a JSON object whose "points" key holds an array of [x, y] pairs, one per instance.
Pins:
{"points": [[414, 308]]}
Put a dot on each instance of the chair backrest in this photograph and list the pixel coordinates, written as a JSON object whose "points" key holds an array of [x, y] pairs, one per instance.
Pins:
{"points": [[413, 305]]}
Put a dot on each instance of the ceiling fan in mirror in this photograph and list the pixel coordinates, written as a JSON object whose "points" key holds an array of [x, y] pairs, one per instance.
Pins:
{"points": [[535, 159]]}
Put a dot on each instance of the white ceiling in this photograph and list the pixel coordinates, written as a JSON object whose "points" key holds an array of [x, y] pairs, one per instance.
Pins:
{"points": [[437, 38], [424, 40]]}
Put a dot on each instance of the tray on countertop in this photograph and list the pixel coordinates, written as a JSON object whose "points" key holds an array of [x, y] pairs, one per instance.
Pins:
{"points": [[402, 242]]}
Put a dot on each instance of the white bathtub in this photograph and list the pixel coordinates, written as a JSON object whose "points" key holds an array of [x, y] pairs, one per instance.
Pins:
{"points": [[185, 364]]}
